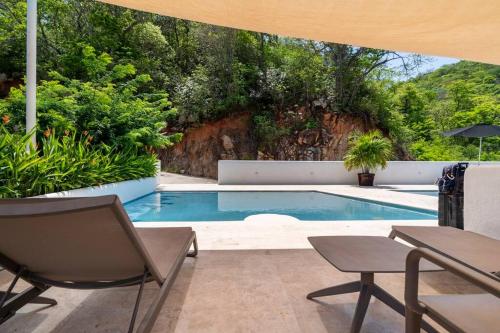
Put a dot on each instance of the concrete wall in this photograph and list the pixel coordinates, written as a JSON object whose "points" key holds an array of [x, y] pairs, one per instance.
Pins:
{"points": [[482, 200], [126, 190], [324, 172]]}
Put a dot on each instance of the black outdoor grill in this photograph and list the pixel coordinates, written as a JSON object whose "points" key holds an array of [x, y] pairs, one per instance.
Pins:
{"points": [[451, 196]]}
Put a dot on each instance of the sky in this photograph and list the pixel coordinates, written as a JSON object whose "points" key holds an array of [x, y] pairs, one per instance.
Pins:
{"points": [[436, 62], [429, 63]]}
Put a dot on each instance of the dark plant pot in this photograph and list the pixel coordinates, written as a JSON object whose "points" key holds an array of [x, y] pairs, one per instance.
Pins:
{"points": [[366, 179]]}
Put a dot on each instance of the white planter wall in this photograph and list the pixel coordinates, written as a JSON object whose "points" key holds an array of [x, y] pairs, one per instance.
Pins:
{"points": [[482, 200], [325, 172], [127, 190]]}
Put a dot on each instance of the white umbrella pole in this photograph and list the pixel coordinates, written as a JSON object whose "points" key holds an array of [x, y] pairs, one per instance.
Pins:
{"points": [[31, 26], [480, 148]]}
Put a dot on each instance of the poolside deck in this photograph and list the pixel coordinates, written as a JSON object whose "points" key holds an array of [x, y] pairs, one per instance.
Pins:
{"points": [[175, 178], [249, 277], [231, 291]]}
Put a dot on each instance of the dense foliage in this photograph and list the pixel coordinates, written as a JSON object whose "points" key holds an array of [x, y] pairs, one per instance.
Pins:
{"points": [[368, 151], [453, 96], [109, 105], [109, 71], [65, 163]]}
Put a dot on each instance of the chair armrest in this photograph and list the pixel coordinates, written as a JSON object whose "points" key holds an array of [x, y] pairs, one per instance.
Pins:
{"points": [[486, 281]]}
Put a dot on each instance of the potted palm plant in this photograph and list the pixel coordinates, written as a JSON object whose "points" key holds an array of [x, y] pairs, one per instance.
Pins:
{"points": [[367, 152]]}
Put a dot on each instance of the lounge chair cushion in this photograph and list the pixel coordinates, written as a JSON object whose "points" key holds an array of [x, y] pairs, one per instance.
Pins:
{"points": [[86, 244], [165, 245], [471, 313], [84, 240]]}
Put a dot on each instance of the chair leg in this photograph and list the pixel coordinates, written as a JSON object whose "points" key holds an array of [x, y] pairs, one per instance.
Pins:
{"points": [[392, 235], [137, 301], [149, 318], [193, 253], [413, 321], [345, 288], [6, 295], [12, 304], [43, 300], [36, 300], [363, 301]]}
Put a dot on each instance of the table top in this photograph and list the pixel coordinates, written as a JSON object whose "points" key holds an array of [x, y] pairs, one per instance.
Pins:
{"points": [[470, 248], [365, 254]]}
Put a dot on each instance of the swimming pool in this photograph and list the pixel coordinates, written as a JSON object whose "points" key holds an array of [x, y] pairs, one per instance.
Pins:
{"points": [[236, 206]]}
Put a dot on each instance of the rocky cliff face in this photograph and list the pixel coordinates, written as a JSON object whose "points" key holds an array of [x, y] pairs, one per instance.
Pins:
{"points": [[197, 155], [326, 142], [233, 138]]}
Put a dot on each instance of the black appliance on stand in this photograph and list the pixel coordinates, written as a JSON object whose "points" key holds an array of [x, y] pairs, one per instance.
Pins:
{"points": [[451, 196]]}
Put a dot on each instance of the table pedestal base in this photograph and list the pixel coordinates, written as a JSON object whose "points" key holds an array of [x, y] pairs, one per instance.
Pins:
{"points": [[367, 288]]}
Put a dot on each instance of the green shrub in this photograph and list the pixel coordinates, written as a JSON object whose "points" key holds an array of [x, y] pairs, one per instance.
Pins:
{"points": [[114, 104], [368, 151], [267, 132], [65, 163], [312, 123]]}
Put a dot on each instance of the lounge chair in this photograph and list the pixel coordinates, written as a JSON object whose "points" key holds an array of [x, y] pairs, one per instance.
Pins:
{"points": [[86, 243], [456, 313], [470, 248]]}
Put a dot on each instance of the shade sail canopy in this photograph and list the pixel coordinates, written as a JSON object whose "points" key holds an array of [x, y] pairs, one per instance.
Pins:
{"points": [[475, 131], [465, 29]]}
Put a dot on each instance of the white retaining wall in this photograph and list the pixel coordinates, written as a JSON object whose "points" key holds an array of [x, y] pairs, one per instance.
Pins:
{"points": [[325, 172], [482, 200], [127, 190]]}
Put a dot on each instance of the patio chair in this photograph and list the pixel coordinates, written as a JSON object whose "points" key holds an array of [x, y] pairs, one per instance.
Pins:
{"points": [[86, 243], [456, 313]]}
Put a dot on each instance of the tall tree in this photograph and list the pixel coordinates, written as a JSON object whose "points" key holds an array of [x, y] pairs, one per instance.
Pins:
{"points": [[352, 67]]}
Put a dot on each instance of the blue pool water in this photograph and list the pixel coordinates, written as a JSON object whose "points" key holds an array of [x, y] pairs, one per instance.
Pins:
{"points": [[236, 206]]}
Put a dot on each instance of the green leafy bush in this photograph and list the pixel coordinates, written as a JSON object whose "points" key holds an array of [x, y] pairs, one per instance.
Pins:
{"points": [[112, 104], [453, 96], [368, 151], [194, 97], [65, 163], [267, 132], [312, 124]]}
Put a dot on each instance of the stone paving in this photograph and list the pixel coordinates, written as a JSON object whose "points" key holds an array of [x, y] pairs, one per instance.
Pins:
{"points": [[232, 291]]}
